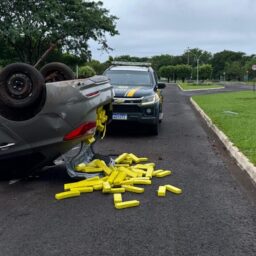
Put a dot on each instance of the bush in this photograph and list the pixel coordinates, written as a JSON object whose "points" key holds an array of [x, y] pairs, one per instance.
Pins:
{"points": [[86, 71]]}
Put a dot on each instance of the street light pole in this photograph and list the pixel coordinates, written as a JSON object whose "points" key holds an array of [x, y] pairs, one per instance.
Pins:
{"points": [[197, 58], [197, 70], [188, 54], [197, 67]]}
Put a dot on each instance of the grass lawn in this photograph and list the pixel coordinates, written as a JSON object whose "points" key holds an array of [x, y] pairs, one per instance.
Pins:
{"points": [[235, 114], [191, 86]]}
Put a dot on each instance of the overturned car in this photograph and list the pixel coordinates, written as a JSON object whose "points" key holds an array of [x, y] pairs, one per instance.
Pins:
{"points": [[45, 114]]}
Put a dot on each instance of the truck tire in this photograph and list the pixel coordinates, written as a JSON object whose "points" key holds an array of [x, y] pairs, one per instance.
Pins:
{"points": [[154, 129], [21, 85], [56, 71]]}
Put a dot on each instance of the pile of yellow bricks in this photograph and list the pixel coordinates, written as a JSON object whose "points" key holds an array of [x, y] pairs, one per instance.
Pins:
{"points": [[121, 177]]}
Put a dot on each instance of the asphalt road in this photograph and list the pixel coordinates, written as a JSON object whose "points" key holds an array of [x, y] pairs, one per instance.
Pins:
{"points": [[215, 215]]}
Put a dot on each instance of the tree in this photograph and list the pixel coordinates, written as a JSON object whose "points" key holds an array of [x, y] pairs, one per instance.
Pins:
{"points": [[167, 72], [248, 68], [108, 63], [220, 59], [205, 71], [161, 60], [234, 70], [30, 27], [190, 57], [183, 71], [97, 66], [7, 54], [69, 59]]}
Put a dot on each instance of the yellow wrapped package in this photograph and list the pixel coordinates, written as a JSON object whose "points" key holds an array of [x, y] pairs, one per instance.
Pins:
{"points": [[127, 204]]}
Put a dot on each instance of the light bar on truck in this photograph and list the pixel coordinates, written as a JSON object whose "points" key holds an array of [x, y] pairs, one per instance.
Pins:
{"points": [[127, 63]]}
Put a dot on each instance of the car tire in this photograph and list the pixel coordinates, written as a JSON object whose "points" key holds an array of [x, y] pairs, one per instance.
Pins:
{"points": [[155, 128], [21, 85], [56, 71]]}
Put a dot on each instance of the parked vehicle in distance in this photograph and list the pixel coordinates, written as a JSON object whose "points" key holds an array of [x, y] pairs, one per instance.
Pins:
{"points": [[138, 94], [40, 121]]}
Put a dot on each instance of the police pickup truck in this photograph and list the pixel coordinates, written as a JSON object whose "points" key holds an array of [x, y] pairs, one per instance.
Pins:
{"points": [[138, 96]]}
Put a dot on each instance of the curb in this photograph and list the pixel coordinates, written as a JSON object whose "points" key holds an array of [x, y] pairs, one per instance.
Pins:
{"points": [[203, 89], [241, 160]]}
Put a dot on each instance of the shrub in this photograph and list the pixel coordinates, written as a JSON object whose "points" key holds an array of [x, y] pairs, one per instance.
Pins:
{"points": [[86, 71]]}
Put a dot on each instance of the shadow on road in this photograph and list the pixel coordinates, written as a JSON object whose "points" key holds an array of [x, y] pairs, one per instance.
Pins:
{"points": [[128, 129]]}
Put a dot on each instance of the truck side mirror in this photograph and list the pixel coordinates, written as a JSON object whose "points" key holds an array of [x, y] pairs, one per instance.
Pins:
{"points": [[161, 85]]}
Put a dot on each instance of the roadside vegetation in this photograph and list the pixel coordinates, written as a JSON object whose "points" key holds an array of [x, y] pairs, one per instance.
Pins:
{"points": [[28, 31], [234, 114], [201, 86], [86, 71], [30, 28]]}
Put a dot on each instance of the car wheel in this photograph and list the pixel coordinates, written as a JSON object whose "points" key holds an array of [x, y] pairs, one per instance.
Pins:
{"points": [[21, 85], [56, 71]]}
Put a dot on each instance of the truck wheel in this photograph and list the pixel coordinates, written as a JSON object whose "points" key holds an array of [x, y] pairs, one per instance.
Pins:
{"points": [[155, 129], [56, 71], [20, 85]]}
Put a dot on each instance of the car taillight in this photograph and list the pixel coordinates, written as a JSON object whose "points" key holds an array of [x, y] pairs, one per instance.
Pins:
{"points": [[86, 128], [92, 94]]}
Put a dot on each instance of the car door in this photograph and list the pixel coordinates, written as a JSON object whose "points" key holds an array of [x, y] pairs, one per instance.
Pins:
{"points": [[10, 143]]}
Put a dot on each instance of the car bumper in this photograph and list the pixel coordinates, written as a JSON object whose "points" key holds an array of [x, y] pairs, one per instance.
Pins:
{"points": [[142, 114]]}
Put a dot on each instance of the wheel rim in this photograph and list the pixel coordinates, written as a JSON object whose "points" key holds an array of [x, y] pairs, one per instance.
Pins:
{"points": [[19, 86]]}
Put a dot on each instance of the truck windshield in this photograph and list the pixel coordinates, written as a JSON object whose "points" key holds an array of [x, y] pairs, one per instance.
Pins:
{"points": [[129, 78]]}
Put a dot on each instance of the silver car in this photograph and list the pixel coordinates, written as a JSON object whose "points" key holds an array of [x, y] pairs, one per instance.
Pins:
{"points": [[41, 117]]}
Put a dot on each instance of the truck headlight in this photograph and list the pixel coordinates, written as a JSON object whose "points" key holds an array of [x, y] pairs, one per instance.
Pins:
{"points": [[150, 99]]}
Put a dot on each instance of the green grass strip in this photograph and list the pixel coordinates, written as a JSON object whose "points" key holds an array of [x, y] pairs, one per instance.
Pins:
{"points": [[191, 86], [235, 114]]}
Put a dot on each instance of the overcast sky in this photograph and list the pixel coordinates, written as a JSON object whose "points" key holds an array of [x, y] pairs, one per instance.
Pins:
{"points": [[149, 27]]}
